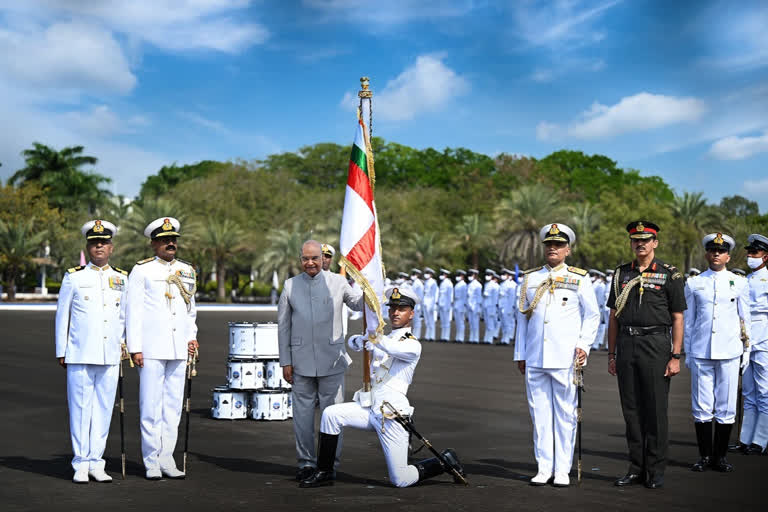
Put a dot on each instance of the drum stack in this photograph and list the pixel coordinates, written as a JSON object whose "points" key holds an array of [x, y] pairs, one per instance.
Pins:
{"points": [[255, 385]]}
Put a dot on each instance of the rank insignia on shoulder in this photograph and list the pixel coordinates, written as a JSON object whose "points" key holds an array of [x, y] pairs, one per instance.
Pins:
{"points": [[75, 269], [577, 270], [532, 270], [677, 275], [147, 260], [125, 273], [409, 335]]}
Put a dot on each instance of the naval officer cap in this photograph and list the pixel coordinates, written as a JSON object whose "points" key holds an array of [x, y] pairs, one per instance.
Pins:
{"points": [[428, 270], [461, 272], [401, 296], [164, 226], [98, 230], [416, 271], [402, 274], [757, 242], [718, 241], [445, 271], [557, 233], [609, 272], [474, 271], [328, 250], [642, 229], [739, 271], [694, 271], [505, 270]]}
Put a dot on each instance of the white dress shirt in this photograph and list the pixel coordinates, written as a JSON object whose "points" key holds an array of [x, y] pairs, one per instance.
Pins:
{"points": [[758, 305]]}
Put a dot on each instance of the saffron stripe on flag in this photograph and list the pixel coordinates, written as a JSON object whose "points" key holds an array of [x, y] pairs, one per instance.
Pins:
{"points": [[358, 181], [363, 251]]}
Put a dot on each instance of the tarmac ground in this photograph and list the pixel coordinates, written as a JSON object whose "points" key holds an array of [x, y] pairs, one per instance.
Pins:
{"points": [[468, 397]]}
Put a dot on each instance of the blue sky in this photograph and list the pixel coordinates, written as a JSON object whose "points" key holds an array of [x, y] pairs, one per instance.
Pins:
{"points": [[676, 89]]}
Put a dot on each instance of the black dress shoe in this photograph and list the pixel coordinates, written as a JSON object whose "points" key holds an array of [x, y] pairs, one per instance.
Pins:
{"points": [[702, 465], [319, 479], [753, 449], [654, 481], [304, 473], [722, 465], [629, 479]]}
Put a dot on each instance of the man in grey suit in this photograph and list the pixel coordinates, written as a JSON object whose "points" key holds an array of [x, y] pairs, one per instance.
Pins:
{"points": [[312, 350]]}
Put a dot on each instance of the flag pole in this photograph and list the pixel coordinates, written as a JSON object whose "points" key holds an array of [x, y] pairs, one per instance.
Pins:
{"points": [[366, 95]]}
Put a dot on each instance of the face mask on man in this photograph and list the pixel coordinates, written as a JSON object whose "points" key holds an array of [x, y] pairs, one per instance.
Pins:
{"points": [[504, 277], [415, 276], [488, 277], [459, 279], [441, 277], [753, 263]]}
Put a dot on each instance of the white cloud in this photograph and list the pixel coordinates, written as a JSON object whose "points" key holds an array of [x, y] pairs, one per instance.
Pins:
{"points": [[393, 12], [560, 23], [199, 120], [641, 112], [739, 148], [426, 86], [757, 189], [102, 121], [565, 67]]}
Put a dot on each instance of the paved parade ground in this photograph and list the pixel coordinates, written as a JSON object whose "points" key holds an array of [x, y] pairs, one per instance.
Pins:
{"points": [[468, 397]]}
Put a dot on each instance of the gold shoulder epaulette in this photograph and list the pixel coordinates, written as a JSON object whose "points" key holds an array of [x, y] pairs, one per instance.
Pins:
{"points": [[75, 269], [532, 270], [125, 273], [141, 262], [577, 270]]}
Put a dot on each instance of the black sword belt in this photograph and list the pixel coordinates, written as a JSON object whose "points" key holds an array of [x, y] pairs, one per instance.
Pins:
{"points": [[645, 330]]}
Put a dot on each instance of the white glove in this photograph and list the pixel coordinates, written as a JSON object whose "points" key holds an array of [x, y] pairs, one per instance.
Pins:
{"points": [[744, 361], [356, 342], [369, 346]]}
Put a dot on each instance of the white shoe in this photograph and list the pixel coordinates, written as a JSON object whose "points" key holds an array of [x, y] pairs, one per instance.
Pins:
{"points": [[541, 478], [561, 480], [100, 475], [173, 472], [81, 476], [154, 474]]}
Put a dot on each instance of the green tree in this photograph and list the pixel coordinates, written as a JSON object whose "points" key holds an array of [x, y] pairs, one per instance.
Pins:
{"points": [[20, 242], [222, 240], [171, 175], [739, 206], [284, 251], [474, 233], [693, 217]]}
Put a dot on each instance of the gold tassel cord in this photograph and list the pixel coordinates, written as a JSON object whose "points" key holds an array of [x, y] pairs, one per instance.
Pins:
{"points": [[547, 284], [185, 294], [371, 299], [621, 299]]}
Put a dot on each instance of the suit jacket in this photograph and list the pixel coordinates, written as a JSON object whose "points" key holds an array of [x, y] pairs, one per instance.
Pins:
{"points": [[309, 322]]}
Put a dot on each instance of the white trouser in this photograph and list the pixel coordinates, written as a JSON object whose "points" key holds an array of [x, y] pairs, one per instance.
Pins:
{"points": [[91, 398], [161, 397], [445, 323], [429, 322], [393, 439], [714, 389], [754, 386], [599, 336], [552, 402], [474, 326], [459, 319], [416, 322], [491, 321], [507, 327]]}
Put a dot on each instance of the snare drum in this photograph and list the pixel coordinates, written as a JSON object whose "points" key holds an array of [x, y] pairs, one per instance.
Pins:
{"points": [[274, 376], [266, 346], [242, 340], [270, 404], [245, 374], [229, 404]]}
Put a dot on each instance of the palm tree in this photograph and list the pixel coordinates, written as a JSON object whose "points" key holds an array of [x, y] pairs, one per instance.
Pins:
{"points": [[19, 243], [221, 240], [474, 233], [520, 216], [284, 251], [131, 243], [424, 248], [695, 216]]}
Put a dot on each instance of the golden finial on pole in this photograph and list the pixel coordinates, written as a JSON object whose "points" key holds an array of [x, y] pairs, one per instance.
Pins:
{"points": [[365, 92]]}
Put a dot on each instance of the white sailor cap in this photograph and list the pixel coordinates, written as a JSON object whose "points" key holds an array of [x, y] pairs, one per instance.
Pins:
{"points": [[694, 271], [473, 271], [594, 271], [428, 270], [757, 241], [557, 233], [164, 226], [402, 295], [445, 271], [328, 250], [98, 230], [416, 271], [461, 272], [718, 241], [505, 270]]}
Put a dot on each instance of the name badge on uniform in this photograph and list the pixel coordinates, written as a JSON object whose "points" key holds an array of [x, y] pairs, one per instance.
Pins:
{"points": [[117, 283]]}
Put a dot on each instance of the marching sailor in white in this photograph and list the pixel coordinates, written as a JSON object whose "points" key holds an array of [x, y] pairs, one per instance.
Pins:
{"points": [[161, 333], [445, 304], [460, 305], [754, 429], [474, 305], [429, 307], [598, 284], [507, 306], [491, 305], [393, 364], [556, 324], [717, 315], [90, 328]]}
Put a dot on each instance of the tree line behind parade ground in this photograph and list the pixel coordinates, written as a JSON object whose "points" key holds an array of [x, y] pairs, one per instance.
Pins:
{"points": [[454, 208]]}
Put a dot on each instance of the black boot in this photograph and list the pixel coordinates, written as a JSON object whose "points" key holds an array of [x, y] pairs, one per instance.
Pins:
{"points": [[704, 440], [453, 461], [326, 454], [720, 448], [429, 468]]}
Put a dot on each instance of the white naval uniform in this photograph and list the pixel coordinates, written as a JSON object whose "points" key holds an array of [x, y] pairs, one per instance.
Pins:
{"points": [[565, 319], [160, 327], [418, 289], [491, 310], [601, 296], [460, 309], [445, 305], [474, 309], [507, 309], [393, 363], [429, 308], [718, 302], [754, 383], [90, 327]]}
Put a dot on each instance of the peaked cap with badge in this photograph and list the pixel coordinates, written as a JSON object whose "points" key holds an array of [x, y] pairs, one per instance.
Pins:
{"points": [[557, 233], [757, 242], [328, 250], [98, 230], [401, 296], [164, 226], [642, 229], [718, 241]]}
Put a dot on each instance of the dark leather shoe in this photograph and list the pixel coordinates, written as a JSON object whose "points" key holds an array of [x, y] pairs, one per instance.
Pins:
{"points": [[753, 449], [319, 479], [304, 473], [702, 465], [654, 481], [629, 479], [722, 465]]}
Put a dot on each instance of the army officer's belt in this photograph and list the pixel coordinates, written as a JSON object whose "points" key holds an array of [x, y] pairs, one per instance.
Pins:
{"points": [[643, 331]]}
